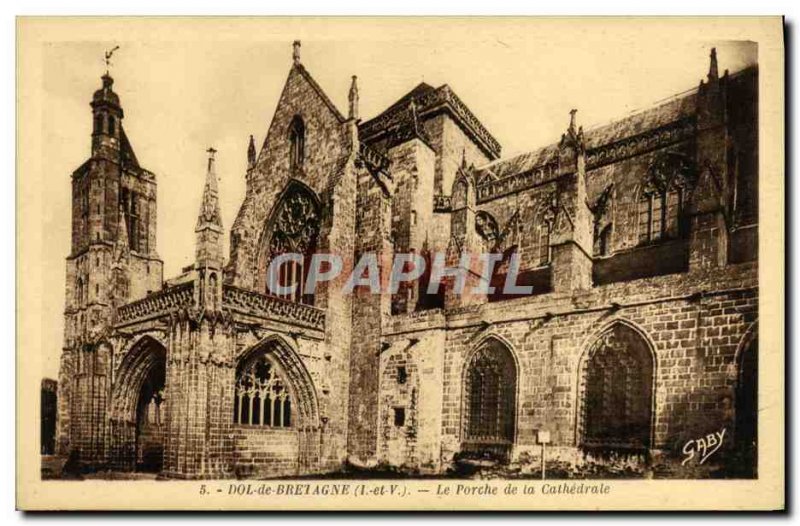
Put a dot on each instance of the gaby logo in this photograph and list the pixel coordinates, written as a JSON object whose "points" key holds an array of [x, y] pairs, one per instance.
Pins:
{"points": [[703, 447], [290, 273]]}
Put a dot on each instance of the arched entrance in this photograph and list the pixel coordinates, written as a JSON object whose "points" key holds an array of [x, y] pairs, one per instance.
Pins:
{"points": [[138, 419], [489, 408], [746, 422], [150, 424], [616, 391]]}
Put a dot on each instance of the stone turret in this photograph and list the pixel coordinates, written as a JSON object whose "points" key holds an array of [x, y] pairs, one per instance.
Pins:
{"points": [[208, 250], [107, 114]]}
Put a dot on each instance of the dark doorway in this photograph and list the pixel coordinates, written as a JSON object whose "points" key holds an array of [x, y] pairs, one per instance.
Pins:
{"points": [[150, 424], [746, 424]]}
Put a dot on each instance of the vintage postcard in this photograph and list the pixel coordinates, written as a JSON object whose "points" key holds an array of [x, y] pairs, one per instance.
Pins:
{"points": [[400, 263]]}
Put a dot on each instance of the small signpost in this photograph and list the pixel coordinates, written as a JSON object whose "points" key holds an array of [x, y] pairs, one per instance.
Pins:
{"points": [[543, 437]]}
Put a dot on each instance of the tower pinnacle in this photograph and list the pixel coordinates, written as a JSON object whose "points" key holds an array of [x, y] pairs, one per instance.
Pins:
{"points": [[296, 52], [353, 99], [713, 68], [209, 208], [251, 154]]}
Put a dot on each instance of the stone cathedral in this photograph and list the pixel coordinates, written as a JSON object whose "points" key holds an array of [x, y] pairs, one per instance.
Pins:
{"points": [[639, 239]]}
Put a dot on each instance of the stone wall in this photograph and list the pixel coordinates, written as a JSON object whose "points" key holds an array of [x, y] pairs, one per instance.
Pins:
{"points": [[694, 324]]}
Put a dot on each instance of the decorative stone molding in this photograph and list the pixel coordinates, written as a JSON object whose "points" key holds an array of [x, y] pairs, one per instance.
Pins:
{"points": [[156, 305], [672, 133], [441, 203], [516, 183], [272, 308], [595, 157]]}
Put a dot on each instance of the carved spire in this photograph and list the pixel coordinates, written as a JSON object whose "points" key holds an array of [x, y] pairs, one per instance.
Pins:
{"points": [[296, 52], [713, 68], [353, 99], [572, 114], [574, 135], [251, 154], [209, 207]]}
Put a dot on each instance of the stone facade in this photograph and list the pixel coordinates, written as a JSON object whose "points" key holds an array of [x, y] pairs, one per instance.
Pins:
{"points": [[639, 240]]}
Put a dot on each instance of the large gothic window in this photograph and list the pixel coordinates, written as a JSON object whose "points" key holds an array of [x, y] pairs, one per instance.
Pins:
{"points": [[489, 410], [294, 230], [297, 143], [261, 395], [662, 199], [617, 391]]}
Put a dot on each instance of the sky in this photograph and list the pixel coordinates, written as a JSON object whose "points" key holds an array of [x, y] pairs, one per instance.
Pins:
{"points": [[181, 97]]}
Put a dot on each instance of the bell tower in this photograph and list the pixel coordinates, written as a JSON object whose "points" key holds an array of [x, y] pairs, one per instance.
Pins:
{"points": [[112, 262]]}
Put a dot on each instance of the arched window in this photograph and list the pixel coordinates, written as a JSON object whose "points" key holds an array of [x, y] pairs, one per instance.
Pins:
{"points": [[98, 123], [111, 125], [544, 244], [79, 290], [659, 215], [261, 396], [603, 241], [297, 143], [661, 204], [294, 230], [489, 411], [617, 391]]}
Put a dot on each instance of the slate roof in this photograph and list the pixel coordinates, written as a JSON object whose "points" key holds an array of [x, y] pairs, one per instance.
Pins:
{"points": [[672, 110]]}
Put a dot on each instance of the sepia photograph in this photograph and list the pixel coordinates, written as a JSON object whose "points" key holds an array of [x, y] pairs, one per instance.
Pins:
{"points": [[308, 264]]}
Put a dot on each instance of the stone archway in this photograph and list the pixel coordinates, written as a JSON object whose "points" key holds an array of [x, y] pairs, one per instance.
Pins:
{"points": [[489, 401], [138, 411], [616, 391]]}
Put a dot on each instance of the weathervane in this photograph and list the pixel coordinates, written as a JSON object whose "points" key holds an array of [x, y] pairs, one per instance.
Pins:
{"points": [[108, 57]]}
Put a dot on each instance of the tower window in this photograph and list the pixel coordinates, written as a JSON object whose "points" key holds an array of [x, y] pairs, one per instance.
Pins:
{"points": [[297, 143], [111, 125], [402, 375], [399, 416], [98, 123]]}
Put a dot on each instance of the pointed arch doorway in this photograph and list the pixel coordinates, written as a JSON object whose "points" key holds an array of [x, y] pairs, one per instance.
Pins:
{"points": [[138, 418], [745, 431]]}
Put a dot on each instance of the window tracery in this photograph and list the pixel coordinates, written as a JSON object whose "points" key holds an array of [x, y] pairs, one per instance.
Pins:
{"points": [[261, 396]]}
